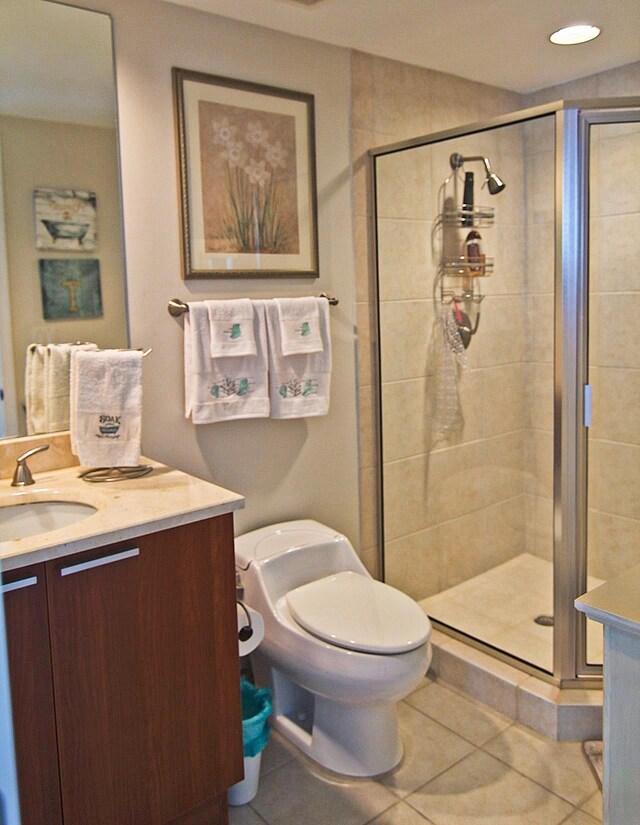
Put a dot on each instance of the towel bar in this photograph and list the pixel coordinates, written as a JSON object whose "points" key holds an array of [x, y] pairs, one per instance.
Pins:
{"points": [[176, 307]]}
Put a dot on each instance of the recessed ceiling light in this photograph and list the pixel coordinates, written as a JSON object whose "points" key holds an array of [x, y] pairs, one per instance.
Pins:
{"points": [[571, 35]]}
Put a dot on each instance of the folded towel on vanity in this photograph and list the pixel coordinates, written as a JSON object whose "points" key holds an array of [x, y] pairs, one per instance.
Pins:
{"points": [[224, 388], [231, 327], [106, 407], [33, 389], [299, 385], [299, 320]]}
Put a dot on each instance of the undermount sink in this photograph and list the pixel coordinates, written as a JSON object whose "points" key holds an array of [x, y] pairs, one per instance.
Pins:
{"points": [[17, 521]]}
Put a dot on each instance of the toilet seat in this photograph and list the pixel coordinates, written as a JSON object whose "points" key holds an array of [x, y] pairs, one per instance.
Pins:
{"points": [[357, 612]]}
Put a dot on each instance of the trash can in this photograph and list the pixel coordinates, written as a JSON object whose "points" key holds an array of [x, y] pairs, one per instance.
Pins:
{"points": [[257, 704]]}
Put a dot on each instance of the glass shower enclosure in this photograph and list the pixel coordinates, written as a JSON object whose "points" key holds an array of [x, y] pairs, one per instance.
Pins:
{"points": [[509, 375]]}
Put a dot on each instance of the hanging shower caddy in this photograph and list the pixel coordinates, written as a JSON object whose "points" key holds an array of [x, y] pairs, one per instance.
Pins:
{"points": [[461, 261]]}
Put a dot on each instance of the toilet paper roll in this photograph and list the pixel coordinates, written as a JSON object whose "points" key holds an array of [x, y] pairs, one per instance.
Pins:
{"points": [[257, 624]]}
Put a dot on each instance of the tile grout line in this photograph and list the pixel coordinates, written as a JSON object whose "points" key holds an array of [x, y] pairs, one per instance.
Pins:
{"points": [[461, 735], [535, 781], [491, 739], [405, 799], [259, 815]]}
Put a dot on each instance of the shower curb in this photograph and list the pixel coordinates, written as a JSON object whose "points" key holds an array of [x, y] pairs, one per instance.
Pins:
{"points": [[564, 715]]}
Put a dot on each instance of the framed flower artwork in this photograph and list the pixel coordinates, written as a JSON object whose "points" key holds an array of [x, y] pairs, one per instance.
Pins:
{"points": [[246, 165]]}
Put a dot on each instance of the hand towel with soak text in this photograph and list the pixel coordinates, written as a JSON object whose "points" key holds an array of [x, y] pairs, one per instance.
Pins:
{"points": [[106, 398]]}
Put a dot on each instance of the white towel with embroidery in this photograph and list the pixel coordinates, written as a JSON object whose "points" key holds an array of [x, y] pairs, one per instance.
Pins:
{"points": [[299, 320], [299, 385], [226, 388], [34, 389], [231, 327], [106, 399]]}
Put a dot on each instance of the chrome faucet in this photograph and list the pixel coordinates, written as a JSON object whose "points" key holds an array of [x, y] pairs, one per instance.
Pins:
{"points": [[22, 476]]}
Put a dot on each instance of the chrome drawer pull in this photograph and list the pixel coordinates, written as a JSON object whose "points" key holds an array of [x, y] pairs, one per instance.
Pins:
{"points": [[87, 565], [7, 588]]}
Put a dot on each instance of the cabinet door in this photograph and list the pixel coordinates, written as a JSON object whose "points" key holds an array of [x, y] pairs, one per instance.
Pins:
{"points": [[146, 676], [25, 604]]}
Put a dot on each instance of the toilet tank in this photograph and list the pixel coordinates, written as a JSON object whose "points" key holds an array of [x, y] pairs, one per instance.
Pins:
{"points": [[284, 556]]}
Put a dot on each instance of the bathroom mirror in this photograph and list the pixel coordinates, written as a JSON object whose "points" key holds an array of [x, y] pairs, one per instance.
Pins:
{"points": [[62, 276]]}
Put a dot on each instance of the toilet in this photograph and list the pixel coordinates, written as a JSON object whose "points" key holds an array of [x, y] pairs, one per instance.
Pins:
{"points": [[340, 649]]}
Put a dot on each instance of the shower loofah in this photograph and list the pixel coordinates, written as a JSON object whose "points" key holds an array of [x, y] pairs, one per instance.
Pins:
{"points": [[448, 357]]}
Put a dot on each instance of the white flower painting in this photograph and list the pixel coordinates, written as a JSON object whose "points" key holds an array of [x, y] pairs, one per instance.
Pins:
{"points": [[249, 180]]}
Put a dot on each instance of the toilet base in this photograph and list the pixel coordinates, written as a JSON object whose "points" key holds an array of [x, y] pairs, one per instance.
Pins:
{"points": [[355, 740]]}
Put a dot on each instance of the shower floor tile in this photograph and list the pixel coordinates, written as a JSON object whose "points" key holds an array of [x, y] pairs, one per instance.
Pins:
{"points": [[498, 607]]}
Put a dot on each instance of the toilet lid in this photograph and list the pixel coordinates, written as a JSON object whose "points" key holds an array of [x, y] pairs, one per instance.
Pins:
{"points": [[357, 612]]}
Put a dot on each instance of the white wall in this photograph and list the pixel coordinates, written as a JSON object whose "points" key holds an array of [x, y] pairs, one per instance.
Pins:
{"points": [[285, 469], [40, 153]]}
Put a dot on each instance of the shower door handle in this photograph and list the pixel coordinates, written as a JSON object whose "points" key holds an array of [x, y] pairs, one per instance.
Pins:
{"points": [[588, 405]]}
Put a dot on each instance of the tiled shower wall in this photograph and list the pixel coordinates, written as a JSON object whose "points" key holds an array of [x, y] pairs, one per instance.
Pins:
{"points": [[539, 273], [502, 508], [614, 362], [391, 102], [455, 508]]}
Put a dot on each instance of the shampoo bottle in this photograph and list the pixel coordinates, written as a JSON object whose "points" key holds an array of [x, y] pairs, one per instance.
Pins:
{"points": [[473, 253], [467, 200]]}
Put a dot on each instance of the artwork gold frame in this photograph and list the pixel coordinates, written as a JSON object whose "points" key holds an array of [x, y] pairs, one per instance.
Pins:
{"points": [[247, 178]]}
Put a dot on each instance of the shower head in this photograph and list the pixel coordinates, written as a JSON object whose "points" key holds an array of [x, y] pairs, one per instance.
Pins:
{"points": [[494, 183]]}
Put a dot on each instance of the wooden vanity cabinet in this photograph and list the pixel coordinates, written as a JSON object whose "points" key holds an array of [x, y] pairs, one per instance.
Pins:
{"points": [[144, 658], [27, 623]]}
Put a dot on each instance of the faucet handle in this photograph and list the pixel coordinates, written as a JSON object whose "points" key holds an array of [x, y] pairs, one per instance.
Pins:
{"points": [[22, 476]]}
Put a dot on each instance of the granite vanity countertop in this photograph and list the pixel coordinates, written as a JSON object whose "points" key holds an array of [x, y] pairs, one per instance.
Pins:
{"points": [[616, 602], [165, 498]]}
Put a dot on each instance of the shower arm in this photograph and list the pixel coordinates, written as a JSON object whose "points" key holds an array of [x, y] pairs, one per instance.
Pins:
{"points": [[457, 161], [494, 183]]}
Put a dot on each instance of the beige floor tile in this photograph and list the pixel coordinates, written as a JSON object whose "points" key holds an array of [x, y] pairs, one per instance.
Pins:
{"points": [[278, 752], [400, 814], [481, 790], [244, 815], [297, 793], [429, 749], [472, 720], [593, 805], [580, 818], [560, 767]]}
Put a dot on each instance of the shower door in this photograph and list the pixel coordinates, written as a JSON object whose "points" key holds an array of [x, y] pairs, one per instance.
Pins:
{"points": [[612, 449], [467, 444], [509, 470]]}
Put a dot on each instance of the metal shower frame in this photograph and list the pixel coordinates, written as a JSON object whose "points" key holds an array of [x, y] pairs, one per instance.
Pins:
{"points": [[573, 119]]}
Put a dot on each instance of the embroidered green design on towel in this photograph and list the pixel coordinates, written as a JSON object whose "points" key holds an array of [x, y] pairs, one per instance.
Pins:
{"points": [[234, 332], [296, 388], [305, 330], [231, 386]]}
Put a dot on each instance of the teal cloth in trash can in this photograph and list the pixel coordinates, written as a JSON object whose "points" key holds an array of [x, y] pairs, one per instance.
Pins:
{"points": [[257, 705]]}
